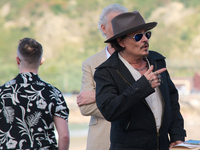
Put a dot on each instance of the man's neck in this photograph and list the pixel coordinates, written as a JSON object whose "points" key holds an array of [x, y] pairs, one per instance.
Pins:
{"points": [[136, 62], [110, 49], [28, 70]]}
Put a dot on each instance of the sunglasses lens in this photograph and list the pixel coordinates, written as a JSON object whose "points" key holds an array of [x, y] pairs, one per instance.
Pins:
{"points": [[148, 34], [138, 37]]}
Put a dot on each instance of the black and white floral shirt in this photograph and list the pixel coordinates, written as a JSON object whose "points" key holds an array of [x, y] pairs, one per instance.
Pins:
{"points": [[27, 105]]}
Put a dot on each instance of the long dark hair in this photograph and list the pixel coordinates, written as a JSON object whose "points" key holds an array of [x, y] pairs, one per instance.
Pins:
{"points": [[115, 44]]}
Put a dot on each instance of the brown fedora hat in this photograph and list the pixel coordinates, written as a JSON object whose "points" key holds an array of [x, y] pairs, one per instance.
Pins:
{"points": [[129, 22]]}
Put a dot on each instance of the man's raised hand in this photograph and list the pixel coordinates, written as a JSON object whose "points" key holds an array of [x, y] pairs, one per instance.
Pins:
{"points": [[154, 78]]}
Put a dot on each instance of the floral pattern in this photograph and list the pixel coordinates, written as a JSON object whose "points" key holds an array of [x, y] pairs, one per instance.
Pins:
{"points": [[27, 105], [11, 144]]}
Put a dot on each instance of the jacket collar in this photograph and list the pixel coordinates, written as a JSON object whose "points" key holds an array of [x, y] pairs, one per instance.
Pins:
{"points": [[115, 62]]}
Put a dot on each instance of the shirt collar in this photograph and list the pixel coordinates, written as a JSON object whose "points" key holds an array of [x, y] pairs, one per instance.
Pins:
{"points": [[107, 53]]}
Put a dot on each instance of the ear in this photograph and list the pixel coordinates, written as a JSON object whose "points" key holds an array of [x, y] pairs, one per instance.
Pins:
{"points": [[120, 41], [42, 60], [103, 28], [18, 60]]}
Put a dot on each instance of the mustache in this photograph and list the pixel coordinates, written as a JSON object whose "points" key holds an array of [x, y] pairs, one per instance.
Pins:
{"points": [[145, 44]]}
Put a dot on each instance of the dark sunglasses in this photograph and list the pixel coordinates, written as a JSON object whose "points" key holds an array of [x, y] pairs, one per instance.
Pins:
{"points": [[139, 36]]}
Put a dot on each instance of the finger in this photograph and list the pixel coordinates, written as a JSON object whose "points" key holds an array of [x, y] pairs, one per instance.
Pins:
{"points": [[160, 70], [150, 69], [172, 144], [80, 104], [155, 73], [78, 98], [150, 81], [78, 95]]}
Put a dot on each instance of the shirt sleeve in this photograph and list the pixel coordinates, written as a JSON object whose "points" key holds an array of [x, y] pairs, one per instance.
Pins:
{"points": [[59, 108]]}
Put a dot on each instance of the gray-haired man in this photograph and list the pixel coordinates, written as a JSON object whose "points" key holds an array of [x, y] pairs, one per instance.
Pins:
{"points": [[99, 128]]}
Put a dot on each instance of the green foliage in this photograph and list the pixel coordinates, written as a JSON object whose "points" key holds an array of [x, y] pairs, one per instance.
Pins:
{"points": [[63, 69], [57, 9], [190, 3], [87, 5], [145, 7], [89, 44]]}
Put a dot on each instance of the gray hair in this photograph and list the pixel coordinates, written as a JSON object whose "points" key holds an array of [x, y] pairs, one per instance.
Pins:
{"points": [[113, 8]]}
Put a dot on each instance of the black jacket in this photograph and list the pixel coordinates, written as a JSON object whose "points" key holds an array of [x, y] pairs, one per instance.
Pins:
{"points": [[121, 101]]}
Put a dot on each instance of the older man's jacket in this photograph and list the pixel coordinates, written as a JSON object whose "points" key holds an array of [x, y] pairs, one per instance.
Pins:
{"points": [[99, 129], [121, 100]]}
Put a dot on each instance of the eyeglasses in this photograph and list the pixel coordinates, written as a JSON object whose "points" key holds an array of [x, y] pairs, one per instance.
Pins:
{"points": [[139, 36]]}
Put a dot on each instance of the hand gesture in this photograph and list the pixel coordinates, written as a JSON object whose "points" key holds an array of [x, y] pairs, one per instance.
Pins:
{"points": [[154, 78]]}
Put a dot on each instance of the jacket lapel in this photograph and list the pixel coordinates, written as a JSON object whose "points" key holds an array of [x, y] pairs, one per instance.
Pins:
{"points": [[126, 75], [123, 71]]}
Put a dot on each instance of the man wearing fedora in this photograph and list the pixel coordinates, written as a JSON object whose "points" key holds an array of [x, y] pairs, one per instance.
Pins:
{"points": [[134, 90], [99, 128]]}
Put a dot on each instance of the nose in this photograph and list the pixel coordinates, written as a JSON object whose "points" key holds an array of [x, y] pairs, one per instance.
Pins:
{"points": [[144, 38]]}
